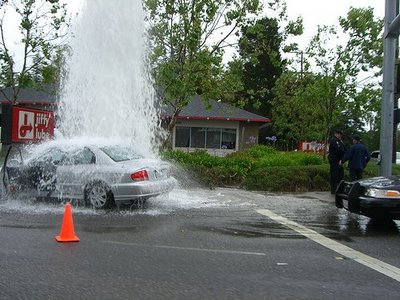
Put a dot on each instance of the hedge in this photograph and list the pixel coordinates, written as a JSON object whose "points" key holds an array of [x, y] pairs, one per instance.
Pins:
{"points": [[260, 168]]}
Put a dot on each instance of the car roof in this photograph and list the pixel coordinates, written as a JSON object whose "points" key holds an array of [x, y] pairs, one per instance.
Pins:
{"points": [[71, 145], [77, 143]]}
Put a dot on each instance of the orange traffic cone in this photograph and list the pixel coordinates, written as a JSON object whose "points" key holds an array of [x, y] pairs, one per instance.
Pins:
{"points": [[67, 233]]}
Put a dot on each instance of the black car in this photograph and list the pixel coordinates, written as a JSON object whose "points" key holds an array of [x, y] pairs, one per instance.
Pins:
{"points": [[377, 197]]}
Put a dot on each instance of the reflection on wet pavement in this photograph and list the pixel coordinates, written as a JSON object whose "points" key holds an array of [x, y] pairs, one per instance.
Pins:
{"points": [[337, 223], [252, 230], [313, 210]]}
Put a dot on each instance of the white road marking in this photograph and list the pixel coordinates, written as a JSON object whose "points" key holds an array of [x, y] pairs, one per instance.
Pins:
{"points": [[187, 248], [348, 252]]}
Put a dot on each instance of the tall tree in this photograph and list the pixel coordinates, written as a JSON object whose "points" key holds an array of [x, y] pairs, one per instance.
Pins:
{"points": [[335, 89], [259, 51], [259, 63], [188, 38], [42, 27], [295, 110]]}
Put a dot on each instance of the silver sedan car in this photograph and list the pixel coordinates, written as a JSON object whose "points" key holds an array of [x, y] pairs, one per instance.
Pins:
{"points": [[99, 174]]}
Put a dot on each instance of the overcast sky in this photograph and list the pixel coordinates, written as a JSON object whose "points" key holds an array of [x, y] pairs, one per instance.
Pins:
{"points": [[314, 13], [327, 12]]}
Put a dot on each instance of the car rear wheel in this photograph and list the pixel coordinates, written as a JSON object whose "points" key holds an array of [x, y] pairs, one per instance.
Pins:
{"points": [[98, 195]]}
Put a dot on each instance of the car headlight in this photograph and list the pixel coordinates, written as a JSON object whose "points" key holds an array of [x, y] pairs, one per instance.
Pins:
{"points": [[377, 193]]}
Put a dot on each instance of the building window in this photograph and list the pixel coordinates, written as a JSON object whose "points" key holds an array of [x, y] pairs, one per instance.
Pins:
{"points": [[207, 138], [228, 140], [198, 137], [213, 138], [182, 137]]}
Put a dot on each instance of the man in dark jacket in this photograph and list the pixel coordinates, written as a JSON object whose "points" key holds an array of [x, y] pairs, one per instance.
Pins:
{"points": [[358, 157], [335, 156]]}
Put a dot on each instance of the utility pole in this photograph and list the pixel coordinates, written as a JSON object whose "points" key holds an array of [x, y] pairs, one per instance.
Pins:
{"points": [[302, 63], [396, 94], [301, 52], [392, 29]]}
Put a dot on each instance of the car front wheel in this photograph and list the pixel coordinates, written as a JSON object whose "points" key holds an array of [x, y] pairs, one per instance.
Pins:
{"points": [[353, 200], [98, 195]]}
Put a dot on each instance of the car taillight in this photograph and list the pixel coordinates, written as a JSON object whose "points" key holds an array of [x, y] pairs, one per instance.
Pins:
{"points": [[140, 175]]}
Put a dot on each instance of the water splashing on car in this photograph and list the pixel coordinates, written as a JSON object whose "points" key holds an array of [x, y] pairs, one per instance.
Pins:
{"points": [[107, 91], [107, 98]]}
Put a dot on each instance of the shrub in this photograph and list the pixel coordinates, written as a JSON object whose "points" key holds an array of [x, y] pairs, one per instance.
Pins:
{"points": [[261, 151], [216, 176], [263, 168], [239, 164], [199, 158], [396, 169], [289, 178], [308, 159], [174, 156]]}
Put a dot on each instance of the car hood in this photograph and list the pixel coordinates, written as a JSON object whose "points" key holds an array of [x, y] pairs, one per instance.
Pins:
{"points": [[390, 182]]}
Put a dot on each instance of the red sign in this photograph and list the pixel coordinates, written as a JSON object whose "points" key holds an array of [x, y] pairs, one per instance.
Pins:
{"points": [[315, 146], [31, 125]]}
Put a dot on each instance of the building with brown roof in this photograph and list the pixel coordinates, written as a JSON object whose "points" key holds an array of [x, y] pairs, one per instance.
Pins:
{"points": [[219, 128]]}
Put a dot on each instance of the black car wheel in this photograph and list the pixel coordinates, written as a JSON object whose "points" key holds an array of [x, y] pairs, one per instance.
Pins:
{"points": [[98, 195], [339, 190], [354, 201]]}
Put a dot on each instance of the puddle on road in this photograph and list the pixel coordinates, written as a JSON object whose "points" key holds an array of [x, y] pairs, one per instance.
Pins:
{"points": [[252, 230], [318, 212], [29, 226], [326, 220], [178, 199], [99, 228], [357, 225], [31, 207]]}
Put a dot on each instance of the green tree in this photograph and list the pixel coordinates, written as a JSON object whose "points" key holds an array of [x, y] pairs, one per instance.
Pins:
{"points": [[42, 28], [259, 63], [187, 39], [334, 89], [294, 118], [259, 52]]}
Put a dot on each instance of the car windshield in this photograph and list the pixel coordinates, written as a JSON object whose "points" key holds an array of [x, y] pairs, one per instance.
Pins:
{"points": [[118, 153]]}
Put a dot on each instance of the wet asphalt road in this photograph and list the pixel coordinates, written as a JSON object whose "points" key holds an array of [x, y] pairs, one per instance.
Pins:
{"points": [[196, 244]]}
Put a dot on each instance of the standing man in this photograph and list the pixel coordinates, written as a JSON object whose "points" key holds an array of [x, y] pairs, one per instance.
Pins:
{"points": [[335, 156], [358, 157]]}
